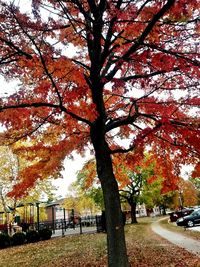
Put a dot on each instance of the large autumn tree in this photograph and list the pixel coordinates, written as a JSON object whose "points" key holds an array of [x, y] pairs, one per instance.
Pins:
{"points": [[134, 76]]}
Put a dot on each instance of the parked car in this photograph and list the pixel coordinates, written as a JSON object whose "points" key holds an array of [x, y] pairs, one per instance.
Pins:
{"points": [[174, 216], [190, 220]]}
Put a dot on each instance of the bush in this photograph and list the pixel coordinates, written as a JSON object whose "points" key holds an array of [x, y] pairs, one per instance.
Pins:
{"points": [[4, 240], [45, 234], [18, 239], [32, 236]]}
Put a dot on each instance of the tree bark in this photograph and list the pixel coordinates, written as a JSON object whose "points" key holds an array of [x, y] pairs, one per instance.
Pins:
{"points": [[133, 212], [117, 256]]}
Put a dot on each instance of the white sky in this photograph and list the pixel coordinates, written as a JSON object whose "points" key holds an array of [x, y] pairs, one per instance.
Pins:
{"points": [[7, 88], [69, 174]]}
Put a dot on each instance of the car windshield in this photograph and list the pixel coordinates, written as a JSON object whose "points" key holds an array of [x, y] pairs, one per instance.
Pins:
{"points": [[196, 212]]}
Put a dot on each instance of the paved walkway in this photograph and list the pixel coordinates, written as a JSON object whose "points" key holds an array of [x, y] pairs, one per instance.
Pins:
{"points": [[182, 241], [76, 231]]}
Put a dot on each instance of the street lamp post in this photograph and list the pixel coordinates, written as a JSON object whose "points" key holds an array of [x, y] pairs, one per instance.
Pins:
{"points": [[38, 215], [53, 218]]}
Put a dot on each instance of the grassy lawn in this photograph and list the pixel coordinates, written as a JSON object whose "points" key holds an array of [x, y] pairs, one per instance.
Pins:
{"points": [[145, 249]]}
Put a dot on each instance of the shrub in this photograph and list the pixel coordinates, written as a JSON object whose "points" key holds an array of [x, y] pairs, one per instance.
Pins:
{"points": [[18, 239], [45, 234], [32, 236], [4, 240]]}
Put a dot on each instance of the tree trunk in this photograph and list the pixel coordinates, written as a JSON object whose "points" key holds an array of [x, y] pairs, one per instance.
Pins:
{"points": [[117, 256], [133, 212], [164, 210]]}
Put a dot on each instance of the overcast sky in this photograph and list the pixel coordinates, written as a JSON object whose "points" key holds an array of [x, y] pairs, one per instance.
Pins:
{"points": [[70, 173]]}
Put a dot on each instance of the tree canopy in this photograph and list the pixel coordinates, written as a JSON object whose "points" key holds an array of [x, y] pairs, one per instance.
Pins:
{"points": [[134, 76]]}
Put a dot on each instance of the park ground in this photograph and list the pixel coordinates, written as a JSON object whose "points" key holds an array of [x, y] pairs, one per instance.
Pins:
{"points": [[145, 249]]}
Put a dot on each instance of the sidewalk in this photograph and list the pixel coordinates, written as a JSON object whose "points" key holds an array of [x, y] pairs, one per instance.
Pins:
{"points": [[187, 243], [76, 231]]}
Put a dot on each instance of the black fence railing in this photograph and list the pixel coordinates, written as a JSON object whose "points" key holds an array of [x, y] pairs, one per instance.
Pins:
{"points": [[60, 227]]}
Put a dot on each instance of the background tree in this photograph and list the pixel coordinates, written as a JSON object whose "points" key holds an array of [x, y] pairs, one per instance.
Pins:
{"points": [[131, 192], [9, 168], [70, 204], [82, 205], [153, 196], [87, 183], [134, 75], [97, 195], [196, 183], [186, 195]]}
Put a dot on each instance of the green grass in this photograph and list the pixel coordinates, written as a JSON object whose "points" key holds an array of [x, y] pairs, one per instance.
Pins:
{"points": [[144, 248]]}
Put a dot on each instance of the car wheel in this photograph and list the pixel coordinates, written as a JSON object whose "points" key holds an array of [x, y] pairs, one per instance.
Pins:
{"points": [[190, 223]]}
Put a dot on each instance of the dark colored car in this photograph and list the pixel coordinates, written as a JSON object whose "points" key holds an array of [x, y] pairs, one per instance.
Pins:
{"points": [[190, 220], [174, 216]]}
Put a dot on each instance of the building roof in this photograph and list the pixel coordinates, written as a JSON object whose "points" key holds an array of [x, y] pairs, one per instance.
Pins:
{"points": [[55, 203]]}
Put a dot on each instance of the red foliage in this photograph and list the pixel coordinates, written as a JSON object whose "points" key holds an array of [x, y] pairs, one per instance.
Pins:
{"points": [[135, 70]]}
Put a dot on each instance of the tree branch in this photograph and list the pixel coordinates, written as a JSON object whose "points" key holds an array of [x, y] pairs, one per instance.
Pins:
{"points": [[121, 121], [122, 150], [19, 51], [149, 27], [148, 75], [50, 105], [173, 53], [142, 37]]}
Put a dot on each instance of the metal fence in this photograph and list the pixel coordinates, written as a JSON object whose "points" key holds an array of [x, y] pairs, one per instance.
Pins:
{"points": [[87, 224]]}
